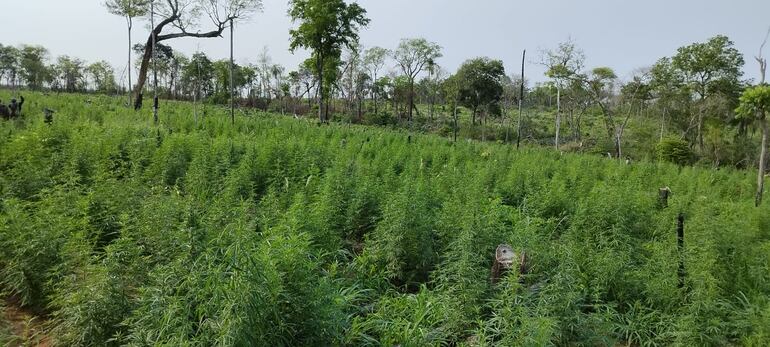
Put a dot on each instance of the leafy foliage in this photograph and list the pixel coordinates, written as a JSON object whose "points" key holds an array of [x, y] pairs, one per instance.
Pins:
{"points": [[273, 231], [675, 150]]}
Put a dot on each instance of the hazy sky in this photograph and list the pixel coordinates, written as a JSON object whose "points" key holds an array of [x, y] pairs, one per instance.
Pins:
{"points": [[622, 34]]}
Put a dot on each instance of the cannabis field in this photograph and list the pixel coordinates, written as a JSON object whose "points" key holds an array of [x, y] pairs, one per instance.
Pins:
{"points": [[279, 232]]}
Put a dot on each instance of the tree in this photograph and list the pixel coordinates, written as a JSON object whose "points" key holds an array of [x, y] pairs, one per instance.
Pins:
{"points": [[129, 9], [9, 64], [279, 83], [601, 84], [71, 73], [412, 55], [451, 87], [754, 104], [176, 64], [221, 75], [562, 65], [103, 76], [436, 74], [183, 16], [32, 61], [666, 86], [753, 107], [635, 94], [325, 27], [374, 60], [198, 75], [575, 101], [264, 64], [355, 80], [347, 83], [709, 68], [480, 83]]}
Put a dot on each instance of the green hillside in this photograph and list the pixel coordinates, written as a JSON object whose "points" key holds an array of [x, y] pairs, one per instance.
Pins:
{"points": [[280, 232]]}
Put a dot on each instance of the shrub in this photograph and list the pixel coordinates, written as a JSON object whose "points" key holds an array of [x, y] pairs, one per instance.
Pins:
{"points": [[675, 150]]}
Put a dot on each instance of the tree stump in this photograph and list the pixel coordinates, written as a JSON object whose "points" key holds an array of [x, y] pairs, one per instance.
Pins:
{"points": [[663, 194], [48, 116], [505, 258]]}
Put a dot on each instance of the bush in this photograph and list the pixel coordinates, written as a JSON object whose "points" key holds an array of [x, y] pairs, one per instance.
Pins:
{"points": [[675, 150]]}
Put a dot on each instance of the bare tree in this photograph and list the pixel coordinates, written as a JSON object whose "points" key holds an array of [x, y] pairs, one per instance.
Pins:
{"points": [[761, 60], [763, 123], [183, 17]]}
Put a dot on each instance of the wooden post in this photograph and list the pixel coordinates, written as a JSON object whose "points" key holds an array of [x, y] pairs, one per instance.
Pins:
{"points": [[680, 248]]}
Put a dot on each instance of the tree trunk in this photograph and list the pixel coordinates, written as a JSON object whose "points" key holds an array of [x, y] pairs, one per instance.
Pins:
{"points": [[521, 99], [232, 80], [411, 98], [455, 127], [762, 162], [484, 126], [507, 122], [155, 34], [128, 68], [142, 78], [432, 101], [558, 117], [374, 94], [700, 129], [319, 63], [154, 66], [663, 124], [360, 105]]}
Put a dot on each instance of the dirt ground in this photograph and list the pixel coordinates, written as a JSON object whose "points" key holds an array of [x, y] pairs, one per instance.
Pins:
{"points": [[27, 329]]}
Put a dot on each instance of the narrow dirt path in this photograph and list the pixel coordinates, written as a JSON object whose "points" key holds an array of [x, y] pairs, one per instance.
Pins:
{"points": [[25, 326]]}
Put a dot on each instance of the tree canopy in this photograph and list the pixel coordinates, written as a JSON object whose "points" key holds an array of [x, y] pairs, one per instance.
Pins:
{"points": [[325, 27], [480, 82]]}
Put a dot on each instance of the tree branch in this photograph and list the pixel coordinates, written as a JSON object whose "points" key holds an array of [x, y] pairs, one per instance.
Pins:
{"points": [[183, 33]]}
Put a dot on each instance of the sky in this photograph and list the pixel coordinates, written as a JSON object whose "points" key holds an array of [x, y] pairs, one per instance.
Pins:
{"points": [[622, 34]]}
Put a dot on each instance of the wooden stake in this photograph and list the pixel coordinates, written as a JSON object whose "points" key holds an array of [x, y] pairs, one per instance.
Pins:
{"points": [[680, 248], [521, 99]]}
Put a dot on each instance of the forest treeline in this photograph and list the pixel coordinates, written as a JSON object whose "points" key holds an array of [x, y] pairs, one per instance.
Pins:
{"points": [[688, 99], [681, 108]]}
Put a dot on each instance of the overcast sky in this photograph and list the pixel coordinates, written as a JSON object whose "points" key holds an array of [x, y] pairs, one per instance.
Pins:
{"points": [[622, 34]]}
